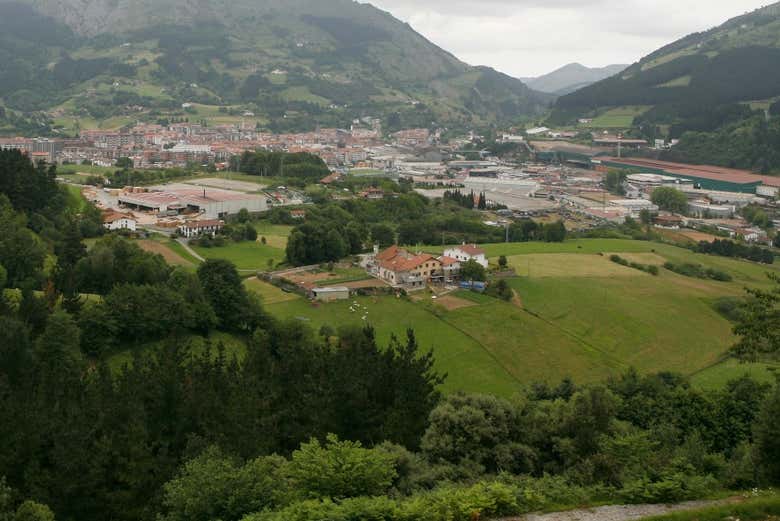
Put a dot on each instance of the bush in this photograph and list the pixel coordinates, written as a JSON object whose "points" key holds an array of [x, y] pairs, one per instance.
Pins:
{"points": [[670, 488], [451, 503], [647, 268], [698, 271]]}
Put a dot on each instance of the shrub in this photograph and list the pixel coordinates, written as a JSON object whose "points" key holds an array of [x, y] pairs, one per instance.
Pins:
{"points": [[698, 271], [669, 488]]}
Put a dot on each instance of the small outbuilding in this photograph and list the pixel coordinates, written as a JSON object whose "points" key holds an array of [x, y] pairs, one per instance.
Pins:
{"points": [[332, 294]]}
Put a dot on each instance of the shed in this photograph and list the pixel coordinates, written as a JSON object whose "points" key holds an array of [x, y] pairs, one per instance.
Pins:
{"points": [[331, 294]]}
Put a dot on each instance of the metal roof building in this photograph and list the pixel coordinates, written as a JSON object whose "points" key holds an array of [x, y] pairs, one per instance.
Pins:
{"points": [[708, 177]]}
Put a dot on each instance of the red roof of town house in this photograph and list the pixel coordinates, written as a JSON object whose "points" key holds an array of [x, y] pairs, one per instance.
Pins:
{"points": [[112, 217], [401, 264], [332, 178], [472, 250], [448, 261], [203, 224], [388, 254]]}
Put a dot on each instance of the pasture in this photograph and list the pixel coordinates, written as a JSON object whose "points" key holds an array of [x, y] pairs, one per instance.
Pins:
{"points": [[581, 316], [249, 256], [618, 117]]}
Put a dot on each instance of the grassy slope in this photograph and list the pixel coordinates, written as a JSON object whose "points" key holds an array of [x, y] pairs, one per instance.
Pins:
{"points": [[470, 366], [757, 509], [585, 317], [253, 255]]}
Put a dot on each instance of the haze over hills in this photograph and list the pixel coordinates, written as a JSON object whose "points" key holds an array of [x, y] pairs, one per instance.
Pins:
{"points": [[571, 77], [291, 62], [714, 89]]}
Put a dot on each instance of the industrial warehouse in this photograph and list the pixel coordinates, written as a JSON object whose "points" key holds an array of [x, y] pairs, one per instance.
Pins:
{"points": [[703, 176], [209, 203]]}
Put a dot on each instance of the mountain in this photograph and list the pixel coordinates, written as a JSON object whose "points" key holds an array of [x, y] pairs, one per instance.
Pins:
{"points": [[710, 90], [571, 77], [291, 63]]}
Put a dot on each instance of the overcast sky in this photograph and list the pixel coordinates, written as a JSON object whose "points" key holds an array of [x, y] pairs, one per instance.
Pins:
{"points": [[533, 37]]}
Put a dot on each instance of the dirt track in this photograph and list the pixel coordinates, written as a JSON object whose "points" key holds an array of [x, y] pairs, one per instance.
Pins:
{"points": [[168, 254], [618, 512]]}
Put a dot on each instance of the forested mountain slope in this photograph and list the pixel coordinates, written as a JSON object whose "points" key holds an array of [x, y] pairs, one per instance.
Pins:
{"points": [[324, 61], [723, 81]]}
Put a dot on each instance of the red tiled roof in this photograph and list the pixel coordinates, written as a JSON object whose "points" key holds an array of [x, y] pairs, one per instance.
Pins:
{"points": [[400, 264], [332, 178], [112, 217], [388, 254], [447, 261], [202, 224], [471, 249]]}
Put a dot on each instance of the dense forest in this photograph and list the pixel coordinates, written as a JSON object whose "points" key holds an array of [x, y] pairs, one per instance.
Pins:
{"points": [[334, 230], [303, 167]]}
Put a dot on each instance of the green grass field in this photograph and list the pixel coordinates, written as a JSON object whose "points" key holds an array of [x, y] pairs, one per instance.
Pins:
{"points": [[717, 376], [765, 507], [268, 293], [249, 256], [75, 200], [618, 117], [582, 316], [246, 256], [470, 366]]}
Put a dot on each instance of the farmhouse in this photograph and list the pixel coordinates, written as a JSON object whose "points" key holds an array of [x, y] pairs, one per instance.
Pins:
{"points": [[467, 252], [198, 228], [402, 269], [114, 221], [450, 268]]}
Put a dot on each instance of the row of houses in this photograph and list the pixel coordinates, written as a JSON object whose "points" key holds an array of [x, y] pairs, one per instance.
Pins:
{"points": [[403, 269], [117, 221]]}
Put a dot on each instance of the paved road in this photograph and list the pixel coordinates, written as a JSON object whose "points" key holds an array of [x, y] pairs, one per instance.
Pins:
{"points": [[618, 512]]}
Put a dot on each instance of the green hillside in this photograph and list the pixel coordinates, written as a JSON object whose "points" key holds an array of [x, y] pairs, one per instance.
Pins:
{"points": [[292, 64], [709, 89], [579, 315]]}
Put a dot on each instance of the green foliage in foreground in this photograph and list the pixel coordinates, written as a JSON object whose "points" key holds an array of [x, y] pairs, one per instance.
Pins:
{"points": [[753, 510]]}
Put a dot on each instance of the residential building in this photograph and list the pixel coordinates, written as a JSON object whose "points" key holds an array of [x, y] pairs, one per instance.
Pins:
{"points": [[450, 268], [197, 228], [402, 269], [467, 252], [114, 221]]}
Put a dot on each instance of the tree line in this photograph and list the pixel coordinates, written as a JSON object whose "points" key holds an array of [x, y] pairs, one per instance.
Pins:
{"points": [[726, 248], [302, 166]]}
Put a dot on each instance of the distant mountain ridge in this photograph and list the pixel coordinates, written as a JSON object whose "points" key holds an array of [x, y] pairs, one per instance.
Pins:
{"points": [[732, 63], [717, 91], [292, 62], [571, 77]]}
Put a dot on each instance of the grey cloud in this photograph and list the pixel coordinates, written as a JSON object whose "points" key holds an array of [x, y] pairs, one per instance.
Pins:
{"points": [[531, 37]]}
